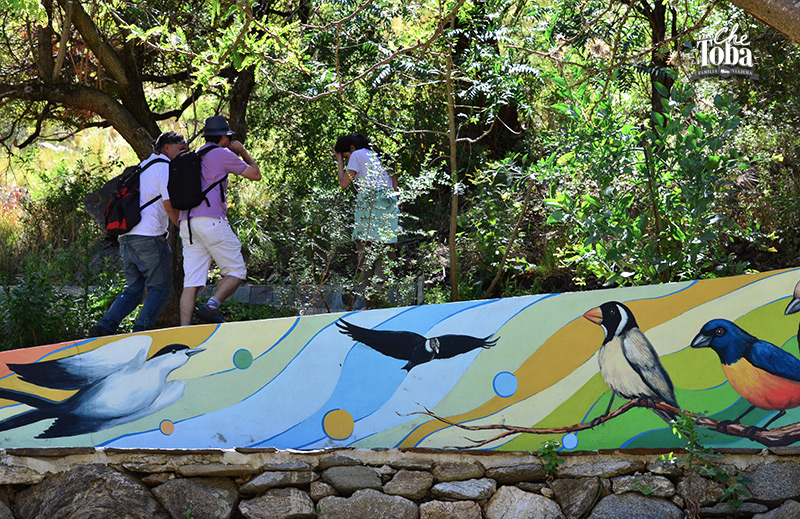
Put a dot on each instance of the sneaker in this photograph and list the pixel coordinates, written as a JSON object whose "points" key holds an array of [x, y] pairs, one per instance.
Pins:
{"points": [[99, 331], [209, 315]]}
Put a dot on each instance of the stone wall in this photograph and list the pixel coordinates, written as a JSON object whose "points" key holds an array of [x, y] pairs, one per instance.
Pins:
{"points": [[376, 484]]}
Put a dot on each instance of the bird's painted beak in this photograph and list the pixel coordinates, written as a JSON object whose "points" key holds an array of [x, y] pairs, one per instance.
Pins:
{"points": [[701, 340], [194, 351], [435, 345], [595, 315], [794, 306]]}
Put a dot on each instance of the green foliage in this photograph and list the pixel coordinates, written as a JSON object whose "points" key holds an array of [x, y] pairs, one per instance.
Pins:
{"points": [[551, 100], [12, 232], [236, 311], [700, 460], [642, 487], [643, 205], [36, 312], [55, 211], [548, 453], [32, 312]]}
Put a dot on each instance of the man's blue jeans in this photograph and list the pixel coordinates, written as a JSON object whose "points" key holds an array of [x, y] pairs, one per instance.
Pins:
{"points": [[148, 265]]}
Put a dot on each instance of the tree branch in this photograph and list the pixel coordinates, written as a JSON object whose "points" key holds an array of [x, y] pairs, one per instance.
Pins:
{"points": [[780, 14], [779, 436], [38, 130], [86, 98], [620, 61], [106, 54], [66, 28], [168, 79], [501, 266], [179, 111]]}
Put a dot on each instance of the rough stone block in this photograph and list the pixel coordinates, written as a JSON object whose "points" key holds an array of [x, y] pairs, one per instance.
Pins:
{"points": [[204, 497], [273, 479], [347, 480], [472, 489], [513, 503], [646, 484], [608, 467], [576, 496], [86, 492], [517, 473], [367, 504], [320, 490], [702, 491], [409, 484], [279, 503], [450, 510], [774, 483], [457, 470], [626, 506], [337, 460]]}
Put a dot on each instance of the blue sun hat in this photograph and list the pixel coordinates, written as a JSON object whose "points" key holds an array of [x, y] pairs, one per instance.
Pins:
{"points": [[217, 125]]}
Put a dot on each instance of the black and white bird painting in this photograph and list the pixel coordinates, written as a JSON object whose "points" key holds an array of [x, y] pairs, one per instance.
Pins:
{"points": [[413, 347], [116, 383]]}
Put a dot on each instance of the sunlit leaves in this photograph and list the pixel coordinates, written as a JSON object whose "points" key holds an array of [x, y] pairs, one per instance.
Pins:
{"points": [[647, 197]]}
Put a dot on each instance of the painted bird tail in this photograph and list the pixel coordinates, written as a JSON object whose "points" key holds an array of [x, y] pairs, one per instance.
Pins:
{"points": [[667, 417], [27, 398], [23, 419]]}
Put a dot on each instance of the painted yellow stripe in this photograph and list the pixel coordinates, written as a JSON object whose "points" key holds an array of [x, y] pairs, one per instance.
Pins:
{"points": [[576, 342]]}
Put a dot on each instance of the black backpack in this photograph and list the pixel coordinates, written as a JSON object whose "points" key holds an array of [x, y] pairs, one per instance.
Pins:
{"points": [[123, 211], [185, 180]]}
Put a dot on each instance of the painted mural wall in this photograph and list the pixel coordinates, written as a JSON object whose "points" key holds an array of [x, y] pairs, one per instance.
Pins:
{"points": [[551, 362]]}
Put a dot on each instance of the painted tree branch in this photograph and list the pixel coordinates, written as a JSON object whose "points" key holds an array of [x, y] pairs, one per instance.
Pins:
{"points": [[779, 436]]}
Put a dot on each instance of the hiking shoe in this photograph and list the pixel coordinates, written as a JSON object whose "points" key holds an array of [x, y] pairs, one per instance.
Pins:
{"points": [[98, 331], [209, 315]]}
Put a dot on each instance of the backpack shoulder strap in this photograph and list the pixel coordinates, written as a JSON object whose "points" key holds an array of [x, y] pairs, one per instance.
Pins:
{"points": [[154, 161], [207, 190], [213, 185], [141, 170], [205, 150], [150, 202]]}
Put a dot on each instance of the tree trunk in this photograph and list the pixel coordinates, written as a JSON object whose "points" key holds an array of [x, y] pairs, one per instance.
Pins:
{"points": [[783, 15], [451, 120], [657, 18], [240, 96]]}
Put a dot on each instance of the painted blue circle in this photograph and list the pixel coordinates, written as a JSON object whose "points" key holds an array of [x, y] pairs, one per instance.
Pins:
{"points": [[569, 441], [505, 384]]}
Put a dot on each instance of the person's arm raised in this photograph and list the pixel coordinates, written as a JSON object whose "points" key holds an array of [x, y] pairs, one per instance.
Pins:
{"points": [[251, 172]]}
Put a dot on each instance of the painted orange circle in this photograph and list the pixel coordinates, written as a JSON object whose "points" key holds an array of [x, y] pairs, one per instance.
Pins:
{"points": [[167, 427], [338, 424]]}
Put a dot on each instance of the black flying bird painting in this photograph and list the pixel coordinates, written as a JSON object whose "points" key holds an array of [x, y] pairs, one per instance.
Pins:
{"points": [[413, 347]]}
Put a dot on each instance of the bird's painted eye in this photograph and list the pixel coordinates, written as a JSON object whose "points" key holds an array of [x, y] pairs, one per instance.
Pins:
{"points": [[719, 332]]}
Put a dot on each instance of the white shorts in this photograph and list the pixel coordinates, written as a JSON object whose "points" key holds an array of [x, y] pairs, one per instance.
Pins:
{"points": [[212, 239]]}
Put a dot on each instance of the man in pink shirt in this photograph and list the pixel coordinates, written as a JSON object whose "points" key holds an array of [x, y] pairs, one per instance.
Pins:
{"points": [[211, 236]]}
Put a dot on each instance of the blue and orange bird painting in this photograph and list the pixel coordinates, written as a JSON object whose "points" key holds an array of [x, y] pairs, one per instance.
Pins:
{"points": [[794, 307], [765, 375]]}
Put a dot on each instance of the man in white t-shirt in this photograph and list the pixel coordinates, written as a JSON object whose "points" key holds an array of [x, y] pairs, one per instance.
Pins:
{"points": [[146, 256]]}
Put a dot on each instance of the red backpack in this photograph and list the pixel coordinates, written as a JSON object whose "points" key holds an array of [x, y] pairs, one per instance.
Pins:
{"points": [[123, 211]]}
